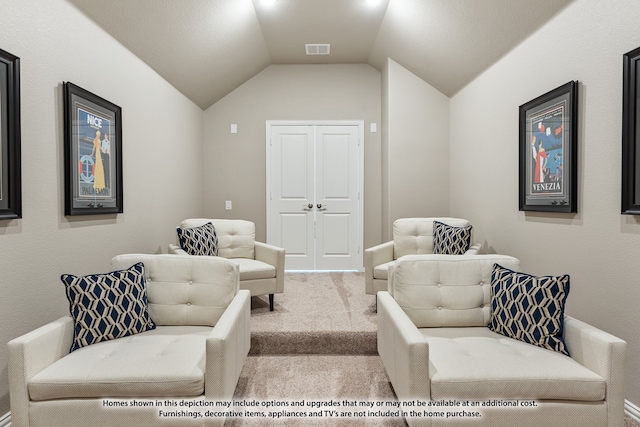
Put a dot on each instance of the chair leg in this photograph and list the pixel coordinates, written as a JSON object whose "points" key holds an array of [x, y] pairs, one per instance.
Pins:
{"points": [[270, 302]]}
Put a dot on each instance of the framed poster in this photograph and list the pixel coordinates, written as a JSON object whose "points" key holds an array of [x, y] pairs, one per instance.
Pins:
{"points": [[630, 134], [548, 151], [10, 168], [93, 153]]}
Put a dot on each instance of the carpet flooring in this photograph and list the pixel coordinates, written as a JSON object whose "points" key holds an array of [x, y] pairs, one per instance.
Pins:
{"points": [[317, 348]]}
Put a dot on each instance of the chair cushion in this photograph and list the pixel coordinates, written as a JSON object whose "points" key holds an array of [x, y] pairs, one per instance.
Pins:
{"points": [[251, 269], [201, 240], [236, 237], [529, 308], [446, 290], [168, 361], [185, 289], [107, 306], [382, 271], [451, 240], [413, 236], [476, 363]]}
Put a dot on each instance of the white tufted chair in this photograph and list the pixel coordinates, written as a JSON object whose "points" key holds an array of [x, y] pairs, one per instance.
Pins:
{"points": [[411, 236], [194, 355], [261, 265]]}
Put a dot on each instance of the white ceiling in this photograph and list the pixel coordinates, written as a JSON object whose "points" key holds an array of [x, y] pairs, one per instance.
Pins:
{"points": [[207, 48]]}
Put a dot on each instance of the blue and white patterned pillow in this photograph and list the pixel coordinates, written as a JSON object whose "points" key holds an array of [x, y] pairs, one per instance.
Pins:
{"points": [[201, 240], [107, 306], [529, 308], [451, 240]]}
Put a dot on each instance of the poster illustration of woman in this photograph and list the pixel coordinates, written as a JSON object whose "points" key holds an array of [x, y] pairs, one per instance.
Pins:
{"points": [[547, 147], [98, 169], [94, 129]]}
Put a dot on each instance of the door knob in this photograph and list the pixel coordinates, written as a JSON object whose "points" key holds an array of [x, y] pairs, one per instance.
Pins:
{"points": [[308, 207], [319, 205]]}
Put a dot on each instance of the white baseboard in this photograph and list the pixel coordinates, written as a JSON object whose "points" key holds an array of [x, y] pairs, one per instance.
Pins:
{"points": [[629, 408], [5, 420]]}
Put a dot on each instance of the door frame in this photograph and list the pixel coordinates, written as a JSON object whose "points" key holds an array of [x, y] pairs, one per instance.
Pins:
{"points": [[360, 124]]}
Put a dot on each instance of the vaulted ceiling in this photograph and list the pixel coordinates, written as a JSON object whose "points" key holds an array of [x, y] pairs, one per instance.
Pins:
{"points": [[207, 48]]}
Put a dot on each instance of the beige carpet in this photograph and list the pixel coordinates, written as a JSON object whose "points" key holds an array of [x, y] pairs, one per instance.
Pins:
{"points": [[317, 346], [318, 313]]}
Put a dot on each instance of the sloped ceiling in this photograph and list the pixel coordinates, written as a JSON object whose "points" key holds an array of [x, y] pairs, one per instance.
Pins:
{"points": [[207, 48]]}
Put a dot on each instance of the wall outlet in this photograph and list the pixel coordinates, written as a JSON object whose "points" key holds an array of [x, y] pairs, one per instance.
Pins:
{"points": [[227, 205]]}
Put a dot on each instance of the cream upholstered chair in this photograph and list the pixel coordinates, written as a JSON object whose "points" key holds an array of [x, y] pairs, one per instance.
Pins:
{"points": [[194, 355], [411, 236], [261, 265], [471, 328]]}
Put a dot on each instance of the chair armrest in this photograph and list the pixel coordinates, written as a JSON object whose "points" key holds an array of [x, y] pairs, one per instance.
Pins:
{"points": [[176, 250], [375, 256], [272, 255], [404, 351], [605, 355], [30, 354], [227, 348], [474, 249]]}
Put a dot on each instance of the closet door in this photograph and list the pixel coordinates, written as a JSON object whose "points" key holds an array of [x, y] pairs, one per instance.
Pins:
{"points": [[313, 195]]}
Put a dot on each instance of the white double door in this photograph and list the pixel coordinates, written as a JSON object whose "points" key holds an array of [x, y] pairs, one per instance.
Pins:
{"points": [[314, 206]]}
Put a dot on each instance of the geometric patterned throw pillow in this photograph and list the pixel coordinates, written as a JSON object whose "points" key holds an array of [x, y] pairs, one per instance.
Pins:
{"points": [[450, 240], [107, 306], [529, 308], [201, 240]]}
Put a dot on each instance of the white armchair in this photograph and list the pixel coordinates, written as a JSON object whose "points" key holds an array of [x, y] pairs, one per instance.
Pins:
{"points": [[261, 265], [435, 344], [195, 354], [411, 236]]}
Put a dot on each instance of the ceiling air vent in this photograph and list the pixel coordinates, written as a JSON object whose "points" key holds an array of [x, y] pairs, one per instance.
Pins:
{"points": [[318, 49]]}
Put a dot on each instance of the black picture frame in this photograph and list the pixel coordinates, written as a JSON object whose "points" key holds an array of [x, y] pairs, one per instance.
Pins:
{"points": [[10, 137], [630, 134], [92, 153], [549, 151]]}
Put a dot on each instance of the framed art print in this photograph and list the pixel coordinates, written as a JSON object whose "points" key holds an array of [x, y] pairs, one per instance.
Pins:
{"points": [[10, 167], [630, 134], [548, 151], [93, 153]]}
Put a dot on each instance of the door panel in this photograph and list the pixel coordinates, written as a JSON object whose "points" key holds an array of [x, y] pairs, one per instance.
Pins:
{"points": [[292, 191], [337, 186]]}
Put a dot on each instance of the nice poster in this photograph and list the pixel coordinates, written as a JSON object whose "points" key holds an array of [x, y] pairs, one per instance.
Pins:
{"points": [[94, 155]]}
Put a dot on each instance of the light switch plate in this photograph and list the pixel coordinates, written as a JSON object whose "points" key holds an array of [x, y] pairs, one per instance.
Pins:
{"points": [[234, 128], [227, 205]]}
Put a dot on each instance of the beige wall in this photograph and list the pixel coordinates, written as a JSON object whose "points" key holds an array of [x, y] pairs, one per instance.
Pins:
{"points": [[597, 246], [235, 164], [162, 137], [415, 152]]}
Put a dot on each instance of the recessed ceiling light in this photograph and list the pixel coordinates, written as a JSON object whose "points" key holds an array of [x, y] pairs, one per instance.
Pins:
{"points": [[268, 2], [372, 2]]}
